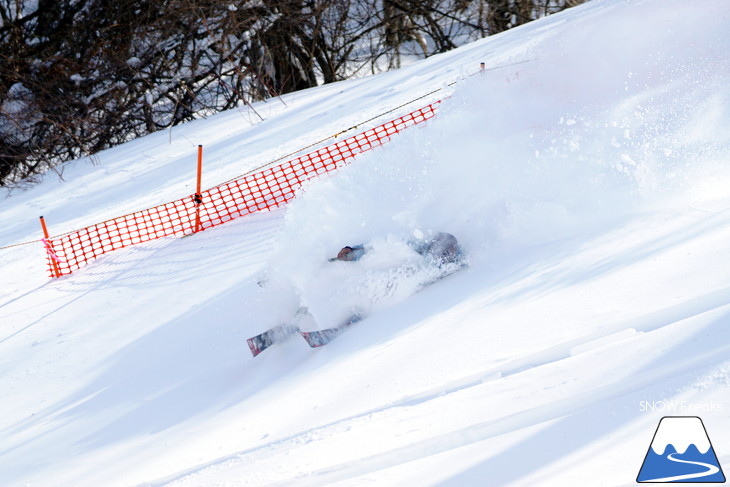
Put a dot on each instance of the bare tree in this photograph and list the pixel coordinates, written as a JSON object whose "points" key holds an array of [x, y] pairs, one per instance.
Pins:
{"points": [[78, 76]]}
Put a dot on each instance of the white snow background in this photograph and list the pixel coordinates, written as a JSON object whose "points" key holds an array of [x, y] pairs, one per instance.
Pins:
{"points": [[586, 173]]}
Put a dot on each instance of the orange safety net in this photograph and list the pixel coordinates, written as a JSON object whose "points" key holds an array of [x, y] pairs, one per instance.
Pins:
{"points": [[264, 189]]}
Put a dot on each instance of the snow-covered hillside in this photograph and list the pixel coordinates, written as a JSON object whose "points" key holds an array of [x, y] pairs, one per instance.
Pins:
{"points": [[585, 173]]}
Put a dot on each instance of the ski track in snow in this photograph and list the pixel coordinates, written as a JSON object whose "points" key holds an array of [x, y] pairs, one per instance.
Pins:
{"points": [[471, 434]]}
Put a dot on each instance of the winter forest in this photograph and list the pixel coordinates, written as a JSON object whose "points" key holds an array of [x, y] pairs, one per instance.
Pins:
{"points": [[80, 76]]}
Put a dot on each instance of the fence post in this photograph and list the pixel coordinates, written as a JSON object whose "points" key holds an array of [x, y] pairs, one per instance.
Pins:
{"points": [[198, 196], [49, 250]]}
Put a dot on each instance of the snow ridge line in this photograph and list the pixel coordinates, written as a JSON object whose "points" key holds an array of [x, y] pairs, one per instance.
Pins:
{"points": [[376, 117]]}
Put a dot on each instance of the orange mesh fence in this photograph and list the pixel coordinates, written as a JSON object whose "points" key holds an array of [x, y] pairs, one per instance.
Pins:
{"points": [[264, 189]]}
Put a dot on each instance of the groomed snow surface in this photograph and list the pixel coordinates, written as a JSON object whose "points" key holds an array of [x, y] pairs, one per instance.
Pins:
{"points": [[587, 175]]}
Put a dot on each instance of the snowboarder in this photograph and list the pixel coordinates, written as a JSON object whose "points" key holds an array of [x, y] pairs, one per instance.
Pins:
{"points": [[350, 254], [442, 253], [442, 249]]}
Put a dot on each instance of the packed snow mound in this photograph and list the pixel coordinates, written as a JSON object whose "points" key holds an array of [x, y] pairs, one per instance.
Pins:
{"points": [[568, 139]]}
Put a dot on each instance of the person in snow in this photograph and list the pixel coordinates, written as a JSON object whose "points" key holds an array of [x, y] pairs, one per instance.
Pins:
{"points": [[441, 255], [442, 249], [350, 254]]}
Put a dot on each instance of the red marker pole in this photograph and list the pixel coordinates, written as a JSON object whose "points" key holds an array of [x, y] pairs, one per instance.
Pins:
{"points": [[198, 198], [47, 243]]}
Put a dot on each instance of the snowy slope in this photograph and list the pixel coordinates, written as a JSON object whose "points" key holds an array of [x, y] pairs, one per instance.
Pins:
{"points": [[588, 181]]}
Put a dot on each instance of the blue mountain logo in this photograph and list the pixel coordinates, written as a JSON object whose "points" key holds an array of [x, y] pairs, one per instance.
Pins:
{"points": [[681, 452]]}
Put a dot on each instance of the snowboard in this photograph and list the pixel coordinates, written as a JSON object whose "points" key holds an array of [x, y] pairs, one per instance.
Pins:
{"points": [[318, 338], [262, 341]]}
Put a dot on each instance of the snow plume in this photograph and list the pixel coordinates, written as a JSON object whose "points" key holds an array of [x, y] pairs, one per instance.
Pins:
{"points": [[522, 156], [499, 165], [658, 110]]}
